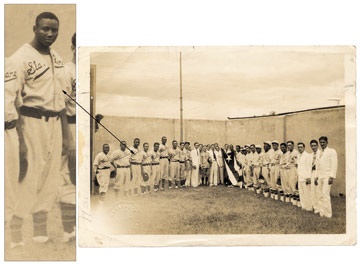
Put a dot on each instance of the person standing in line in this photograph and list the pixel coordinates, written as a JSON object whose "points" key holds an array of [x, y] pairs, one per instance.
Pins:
{"points": [[304, 172], [174, 155], [326, 173], [275, 165], [136, 160], [120, 159], [248, 162], [220, 162], [102, 171], [43, 130], [146, 170], [155, 157], [195, 161], [284, 169], [188, 164], [164, 162], [204, 165], [214, 168], [182, 165], [257, 164], [314, 187], [267, 157], [292, 165]]}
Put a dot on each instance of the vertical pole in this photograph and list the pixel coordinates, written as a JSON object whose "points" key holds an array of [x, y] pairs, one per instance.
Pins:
{"points": [[181, 104]]}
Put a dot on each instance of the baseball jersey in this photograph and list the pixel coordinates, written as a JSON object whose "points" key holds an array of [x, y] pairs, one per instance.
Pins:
{"points": [[275, 160], [70, 69], [174, 154], [155, 156], [258, 159], [102, 160], [164, 150], [147, 159], [12, 95], [267, 157], [41, 78], [293, 158], [183, 155], [137, 157], [121, 158], [284, 159]]}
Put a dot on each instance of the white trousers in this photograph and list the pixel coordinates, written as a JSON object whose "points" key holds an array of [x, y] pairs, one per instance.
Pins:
{"points": [[324, 197], [305, 196], [214, 169], [11, 141]]}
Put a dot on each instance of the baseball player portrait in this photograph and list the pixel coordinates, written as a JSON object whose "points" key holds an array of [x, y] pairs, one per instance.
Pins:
{"points": [[40, 140]]}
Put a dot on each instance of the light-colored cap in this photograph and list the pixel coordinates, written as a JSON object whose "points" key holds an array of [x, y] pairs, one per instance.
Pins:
{"points": [[267, 142], [275, 142], [258, 146]]}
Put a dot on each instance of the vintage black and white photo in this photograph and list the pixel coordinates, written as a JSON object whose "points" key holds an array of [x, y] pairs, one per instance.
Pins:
{"points": [[208, 145]]}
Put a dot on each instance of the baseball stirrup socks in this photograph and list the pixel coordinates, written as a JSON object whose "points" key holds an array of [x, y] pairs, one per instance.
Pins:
{"points": [[40, 223], [68, 216], [16, 224]]}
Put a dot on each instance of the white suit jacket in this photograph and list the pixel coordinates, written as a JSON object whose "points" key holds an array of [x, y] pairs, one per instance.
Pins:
{"points": [[327, 163], [304, 166], [195, 158]]}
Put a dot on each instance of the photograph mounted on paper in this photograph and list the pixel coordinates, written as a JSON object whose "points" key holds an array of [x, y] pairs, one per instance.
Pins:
{"points": [[217, 146]]}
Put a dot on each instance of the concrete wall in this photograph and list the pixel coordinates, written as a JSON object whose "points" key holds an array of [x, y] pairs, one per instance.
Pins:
{"points": [[302, 126]]}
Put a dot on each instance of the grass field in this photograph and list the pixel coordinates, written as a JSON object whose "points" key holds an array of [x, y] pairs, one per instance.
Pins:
{"points": [[55, 250], [216, 210]]}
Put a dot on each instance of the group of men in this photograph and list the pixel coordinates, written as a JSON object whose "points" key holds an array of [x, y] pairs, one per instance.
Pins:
{"points": [[278, 167], [40, 124], [285, 170]]}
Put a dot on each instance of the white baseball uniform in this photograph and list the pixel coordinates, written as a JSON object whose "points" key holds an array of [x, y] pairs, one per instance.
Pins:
{"points": [[102, 163], [41, 79], [121, 159]]}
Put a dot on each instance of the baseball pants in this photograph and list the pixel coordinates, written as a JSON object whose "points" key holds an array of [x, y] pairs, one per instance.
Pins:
{"points": [[43, 139], [188, 171], [214, 170], [156, 174], [293, 177], [182, 171], [266, 175], [67, 192], [174, 171], [103, 178], [248, 177], [11, 142], [136, 176], [122, 180], [284, 176], [274, 175], [164, 168], [305, 196], [256, 174]]}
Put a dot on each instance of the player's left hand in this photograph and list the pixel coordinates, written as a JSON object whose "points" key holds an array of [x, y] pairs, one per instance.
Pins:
{"points": [[331, 180]]}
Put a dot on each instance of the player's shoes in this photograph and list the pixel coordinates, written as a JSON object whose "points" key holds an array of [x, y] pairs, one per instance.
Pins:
{"points": [[16, 246], [42, 239]]}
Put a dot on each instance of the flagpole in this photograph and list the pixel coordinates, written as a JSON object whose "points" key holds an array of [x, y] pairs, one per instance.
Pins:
{"points": [[181, 104]]}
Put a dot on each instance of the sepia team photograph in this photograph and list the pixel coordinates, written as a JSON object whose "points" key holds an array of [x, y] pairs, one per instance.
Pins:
{"points": [[215, 145]]}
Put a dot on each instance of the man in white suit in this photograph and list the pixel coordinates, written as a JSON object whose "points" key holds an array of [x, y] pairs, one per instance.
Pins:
{"points": [[326, 173], [195, 159], [304, 180], [314, 188]]}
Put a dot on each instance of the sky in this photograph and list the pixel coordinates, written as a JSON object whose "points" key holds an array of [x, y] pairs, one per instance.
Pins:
{"points": [[218, 82]]}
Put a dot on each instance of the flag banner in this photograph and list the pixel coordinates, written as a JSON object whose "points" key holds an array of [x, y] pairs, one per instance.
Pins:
{"points": [[230, 164]]}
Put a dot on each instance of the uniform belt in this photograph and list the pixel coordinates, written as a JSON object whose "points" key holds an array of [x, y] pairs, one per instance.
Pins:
{"points": [[146, 164], [38, 113], [155, 163], [122, 167], [174, 161], [10, 124], [182, 161], [105, 168], [256, 166], [163, 157], [71, 119], [266, 165], [135, 163]]}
